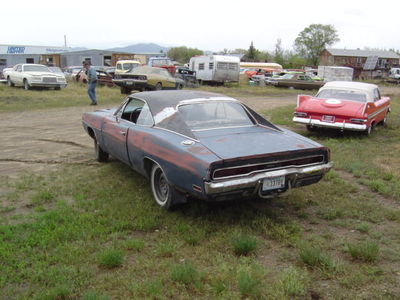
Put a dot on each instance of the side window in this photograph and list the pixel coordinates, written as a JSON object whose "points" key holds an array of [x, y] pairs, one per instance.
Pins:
{"points": [[145, 118], [19, 68], [201, 66], [132, 110], [119, 67], [211, 65]]}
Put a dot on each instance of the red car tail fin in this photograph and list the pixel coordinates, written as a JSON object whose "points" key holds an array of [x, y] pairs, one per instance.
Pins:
{"points": [[302, 98]]}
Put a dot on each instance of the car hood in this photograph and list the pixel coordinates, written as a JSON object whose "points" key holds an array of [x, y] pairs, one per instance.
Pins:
{"points": [[252, 141], [334, 107], [43, 74]]}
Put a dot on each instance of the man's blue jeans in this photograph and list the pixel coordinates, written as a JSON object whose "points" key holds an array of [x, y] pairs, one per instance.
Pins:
{"points": [[92, 91]]}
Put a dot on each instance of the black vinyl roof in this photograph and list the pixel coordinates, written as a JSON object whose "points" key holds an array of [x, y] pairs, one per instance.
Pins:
{"points": [[163, 105]]}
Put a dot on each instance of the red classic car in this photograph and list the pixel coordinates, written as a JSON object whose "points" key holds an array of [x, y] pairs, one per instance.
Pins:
{"points": [[343, 105]]}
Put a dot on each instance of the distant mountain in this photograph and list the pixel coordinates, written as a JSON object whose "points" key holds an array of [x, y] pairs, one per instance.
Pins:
{"points": [[142, 48]]}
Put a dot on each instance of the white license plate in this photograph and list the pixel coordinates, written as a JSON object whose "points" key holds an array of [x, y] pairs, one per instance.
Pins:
{"points": [[328, 118], [129, 82], [273, 183]]}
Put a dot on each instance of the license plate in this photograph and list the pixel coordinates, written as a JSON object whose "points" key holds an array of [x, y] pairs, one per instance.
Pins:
{"points": [[273, 183], [328, 118], [130, 82]]}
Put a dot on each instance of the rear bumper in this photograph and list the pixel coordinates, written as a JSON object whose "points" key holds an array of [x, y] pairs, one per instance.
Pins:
{"points": [[295, 177], [130, 83], [337, 125]]}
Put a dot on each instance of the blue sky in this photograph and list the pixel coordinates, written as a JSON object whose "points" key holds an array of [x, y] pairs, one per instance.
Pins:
{"points": [[207, 25]]}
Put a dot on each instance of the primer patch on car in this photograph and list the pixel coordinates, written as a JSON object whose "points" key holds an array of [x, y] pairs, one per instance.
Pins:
{"points": [[333, 101], [164, 114]]}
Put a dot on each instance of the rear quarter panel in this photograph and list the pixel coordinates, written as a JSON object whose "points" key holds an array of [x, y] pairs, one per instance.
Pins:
{"points": [[184, 166]]}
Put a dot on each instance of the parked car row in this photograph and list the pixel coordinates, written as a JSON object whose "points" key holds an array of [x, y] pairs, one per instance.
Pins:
{"points": [[214, 148]]}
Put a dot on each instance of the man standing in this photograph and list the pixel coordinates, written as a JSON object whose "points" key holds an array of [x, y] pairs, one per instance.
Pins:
{"points": [[92, 81]]}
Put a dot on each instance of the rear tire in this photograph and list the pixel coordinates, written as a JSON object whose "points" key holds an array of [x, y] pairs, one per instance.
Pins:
{"points": [[369, 130], [99, 153], [57, 88], [311, 128], [162, 191], [384, 121], [125, 90]]}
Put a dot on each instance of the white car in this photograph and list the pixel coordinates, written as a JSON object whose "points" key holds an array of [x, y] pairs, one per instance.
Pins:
{"points": [[34, 75]]}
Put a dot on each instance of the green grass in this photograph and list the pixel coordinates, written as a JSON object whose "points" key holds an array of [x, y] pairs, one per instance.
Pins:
{"points": [[243, 244], [367, 251], [17, 99], [111, 258], [315, 257], [64, 237], [184, 273]]}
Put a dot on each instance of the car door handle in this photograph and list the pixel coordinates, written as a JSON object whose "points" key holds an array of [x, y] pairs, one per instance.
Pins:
{"points": [[122, 133]]}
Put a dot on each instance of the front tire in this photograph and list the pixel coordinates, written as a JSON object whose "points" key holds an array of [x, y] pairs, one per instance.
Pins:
{"points": [[160, 187], [9, 82], [158, 86], [99, 153], [26, 85]]}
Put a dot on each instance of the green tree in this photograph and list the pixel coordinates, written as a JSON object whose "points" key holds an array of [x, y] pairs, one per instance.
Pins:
{"points": [[279, 53], [183, 54], [252, 53], [314, 39]]}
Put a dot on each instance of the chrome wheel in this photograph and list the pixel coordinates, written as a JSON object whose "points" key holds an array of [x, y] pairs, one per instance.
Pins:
{"points": [[164, 194]]}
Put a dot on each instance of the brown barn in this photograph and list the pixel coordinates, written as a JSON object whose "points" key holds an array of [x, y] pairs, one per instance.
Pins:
{"points": [[357, 58]]}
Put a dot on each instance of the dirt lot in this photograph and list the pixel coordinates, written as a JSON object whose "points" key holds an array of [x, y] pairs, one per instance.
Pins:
{"points": [[37, 141]]}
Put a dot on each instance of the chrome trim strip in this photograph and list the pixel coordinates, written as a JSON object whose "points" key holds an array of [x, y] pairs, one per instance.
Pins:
{"points": [[227, 127], [266, 163], [255, 181], [377, 112], [338, 125]]}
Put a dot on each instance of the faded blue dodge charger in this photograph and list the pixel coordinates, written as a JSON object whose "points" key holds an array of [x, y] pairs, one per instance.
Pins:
{"points": [[204, 145]]}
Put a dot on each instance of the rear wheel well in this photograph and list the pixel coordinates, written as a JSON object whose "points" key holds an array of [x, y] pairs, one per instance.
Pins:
{"points": [[147, 164], [91, 133]]}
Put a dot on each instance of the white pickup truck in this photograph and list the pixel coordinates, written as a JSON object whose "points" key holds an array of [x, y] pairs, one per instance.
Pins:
{"points": [[34, 75]]}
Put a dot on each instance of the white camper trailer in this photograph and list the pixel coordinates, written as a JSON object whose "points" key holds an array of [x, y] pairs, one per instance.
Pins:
{"points": [[215, 68]]}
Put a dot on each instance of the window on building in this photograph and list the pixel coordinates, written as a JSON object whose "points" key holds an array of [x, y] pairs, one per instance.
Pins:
{"points": [[88, 59], [222, 66], [107, 61], [233, 66], [30, 61], [211, 65], [3, 62], [201, 66]]}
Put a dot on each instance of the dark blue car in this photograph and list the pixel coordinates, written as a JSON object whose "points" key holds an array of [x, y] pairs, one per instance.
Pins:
{"points": [[205, 145]]}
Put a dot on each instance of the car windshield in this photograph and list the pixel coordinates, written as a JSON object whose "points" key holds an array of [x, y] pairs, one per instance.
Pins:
{"points": [[36, 68], [129, 66], [56, 70], [211, 115], [342, 95]]}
